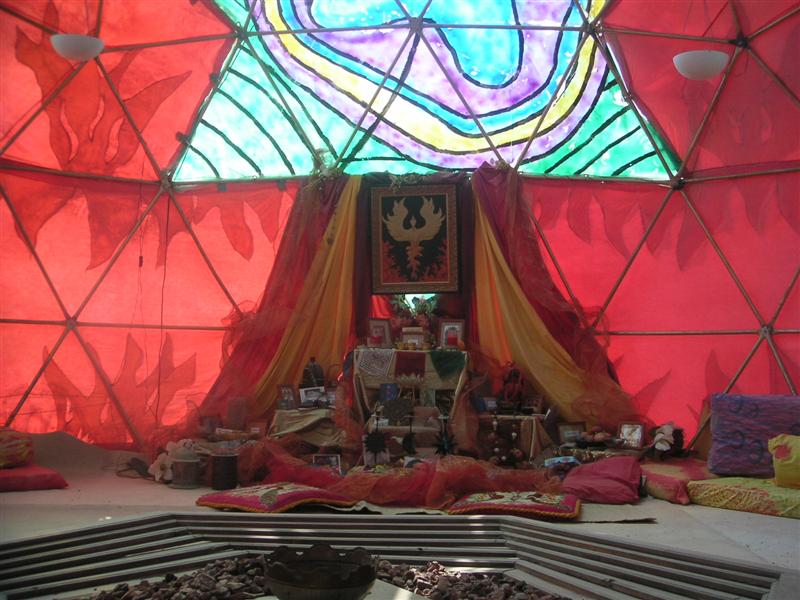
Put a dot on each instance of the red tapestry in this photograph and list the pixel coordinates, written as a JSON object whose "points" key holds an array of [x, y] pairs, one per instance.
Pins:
{"points": [[414, 239]]}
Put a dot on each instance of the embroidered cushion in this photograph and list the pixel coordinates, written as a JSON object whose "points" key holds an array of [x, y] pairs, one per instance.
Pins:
{"points": [[747, 494], [523, 504], [741, 427], [272, 498], [30, 477]]}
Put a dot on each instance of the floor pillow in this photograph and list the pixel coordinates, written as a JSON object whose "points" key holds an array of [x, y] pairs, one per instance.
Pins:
{"points": [[666, 480], [741, 427], [609, 481], [30, 477], [272, 498], [747, 494], [785, 450], [16, 448], [523, 504]]}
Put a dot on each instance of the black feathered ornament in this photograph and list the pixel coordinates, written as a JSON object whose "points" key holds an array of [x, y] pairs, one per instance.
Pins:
{"points": [[375, 442]]}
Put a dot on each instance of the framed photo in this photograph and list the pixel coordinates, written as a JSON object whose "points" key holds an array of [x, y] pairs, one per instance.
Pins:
{"points": [[330, 397], [451, 332], [632, 435], [331, 461], [414, 239], [380, 333], [490, 403], [312, 396], [570, 432], [287, 397], [414, 338]]}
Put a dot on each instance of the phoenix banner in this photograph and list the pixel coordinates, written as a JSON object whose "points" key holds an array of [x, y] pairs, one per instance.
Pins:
{"points": [[414, 239]]}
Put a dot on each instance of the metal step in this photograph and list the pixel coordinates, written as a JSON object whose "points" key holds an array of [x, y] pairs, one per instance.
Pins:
{"points": [[554, 558]]}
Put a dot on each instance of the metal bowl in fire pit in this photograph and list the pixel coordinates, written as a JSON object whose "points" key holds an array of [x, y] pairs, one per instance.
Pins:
{"points": [[320, 573]]}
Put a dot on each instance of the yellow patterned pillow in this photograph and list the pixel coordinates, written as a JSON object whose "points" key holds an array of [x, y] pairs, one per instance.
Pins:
{"points": [[747, 494], [16, 448], [785, 451]]}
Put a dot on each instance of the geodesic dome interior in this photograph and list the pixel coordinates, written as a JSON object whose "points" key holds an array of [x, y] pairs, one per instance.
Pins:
{"points": [[145, 193]]}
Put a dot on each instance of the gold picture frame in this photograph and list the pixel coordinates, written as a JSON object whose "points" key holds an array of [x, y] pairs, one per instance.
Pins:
{"points": [[414, 239], [449, 328], [380, 329]]}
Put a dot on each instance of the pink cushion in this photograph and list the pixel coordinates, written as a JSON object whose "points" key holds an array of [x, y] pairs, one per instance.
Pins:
{"points": [[523, 504], [609, 481], [667, 480], [272, 498], [30, 477]]}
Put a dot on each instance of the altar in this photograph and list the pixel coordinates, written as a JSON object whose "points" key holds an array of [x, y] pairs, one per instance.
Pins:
{"points": [[437, 370]]}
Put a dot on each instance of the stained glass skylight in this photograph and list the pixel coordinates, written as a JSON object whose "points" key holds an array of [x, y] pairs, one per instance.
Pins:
{"points": [[415, 86]]}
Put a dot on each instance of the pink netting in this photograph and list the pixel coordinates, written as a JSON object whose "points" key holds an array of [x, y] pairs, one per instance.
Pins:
{"points": [[254, 339]]}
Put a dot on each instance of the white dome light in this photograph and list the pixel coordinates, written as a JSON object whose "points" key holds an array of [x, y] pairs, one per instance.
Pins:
{"points": [[77, 47], [700, 64]]}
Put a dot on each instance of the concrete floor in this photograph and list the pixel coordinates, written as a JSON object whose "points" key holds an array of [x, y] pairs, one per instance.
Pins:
{"points": [[97, 495]]}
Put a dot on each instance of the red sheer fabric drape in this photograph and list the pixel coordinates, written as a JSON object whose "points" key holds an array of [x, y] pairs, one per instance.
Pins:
{"points": [[256, 337], [499, 192]]}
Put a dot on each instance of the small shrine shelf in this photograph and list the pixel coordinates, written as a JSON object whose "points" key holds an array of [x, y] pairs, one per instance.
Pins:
{"points": [[366, 379]]}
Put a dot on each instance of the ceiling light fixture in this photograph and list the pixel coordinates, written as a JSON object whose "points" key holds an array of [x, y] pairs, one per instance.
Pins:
{"points": [[700, 64], [77, 47]]}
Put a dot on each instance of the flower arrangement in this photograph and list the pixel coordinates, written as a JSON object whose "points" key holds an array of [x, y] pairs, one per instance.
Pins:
{"points": [[161, 469], [414, 308]]}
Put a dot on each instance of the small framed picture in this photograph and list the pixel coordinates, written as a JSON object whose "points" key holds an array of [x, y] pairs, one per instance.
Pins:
{"points": [[490, 403], [570, 432], [312, 396], [414, 339], [287, 397], [632, 435], [451, 333], [331, 461], [380, 333]]}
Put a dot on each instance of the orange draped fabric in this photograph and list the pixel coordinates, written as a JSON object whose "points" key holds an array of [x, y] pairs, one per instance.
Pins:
{"points": [[510, 330], [322, 322], [254, 339]]}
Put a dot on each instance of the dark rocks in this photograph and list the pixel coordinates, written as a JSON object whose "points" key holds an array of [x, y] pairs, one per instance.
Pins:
{"points": [[242, 578], [237, 578], [435, 582]]}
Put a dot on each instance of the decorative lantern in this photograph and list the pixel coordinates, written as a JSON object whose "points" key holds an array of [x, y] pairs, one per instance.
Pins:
{"points": [[185, 468]]}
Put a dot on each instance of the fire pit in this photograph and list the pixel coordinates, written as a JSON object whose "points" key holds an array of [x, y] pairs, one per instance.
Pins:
{"points": [[320, 573]]}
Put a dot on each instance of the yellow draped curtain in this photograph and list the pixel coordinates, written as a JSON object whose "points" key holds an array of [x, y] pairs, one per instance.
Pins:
{"points": [[510, 330], [321, 325]]}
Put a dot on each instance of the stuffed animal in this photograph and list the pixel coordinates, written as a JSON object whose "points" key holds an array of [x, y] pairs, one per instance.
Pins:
{"points": [[667, 441]]}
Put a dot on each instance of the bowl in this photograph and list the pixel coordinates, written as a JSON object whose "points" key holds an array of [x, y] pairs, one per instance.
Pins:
{"points": [[320, 573]]}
